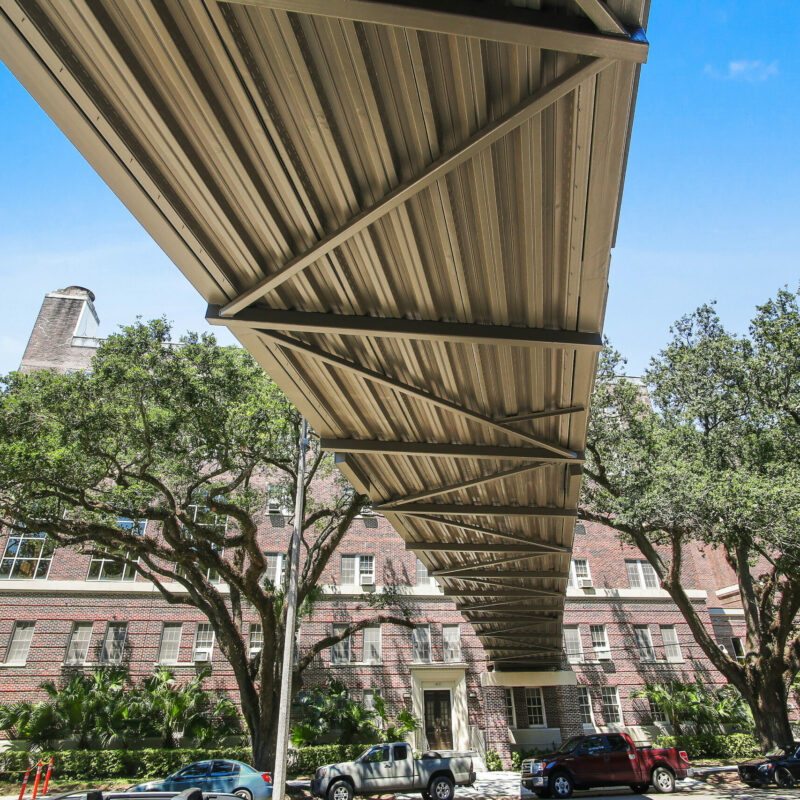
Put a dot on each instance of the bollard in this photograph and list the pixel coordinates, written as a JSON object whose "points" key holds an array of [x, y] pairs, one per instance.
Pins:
{"points": [[24, 784], [47, 776], [36, 781]]}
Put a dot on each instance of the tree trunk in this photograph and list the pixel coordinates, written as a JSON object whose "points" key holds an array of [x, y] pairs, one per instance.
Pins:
{"points": [[767, 696], [263, 741]]}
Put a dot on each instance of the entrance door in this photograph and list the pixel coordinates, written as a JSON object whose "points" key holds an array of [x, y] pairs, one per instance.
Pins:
{"points": [[438, 720]]}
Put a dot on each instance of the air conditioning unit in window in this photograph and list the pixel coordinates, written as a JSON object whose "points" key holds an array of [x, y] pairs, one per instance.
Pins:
{"points": [[586, 583], [202, 655]]}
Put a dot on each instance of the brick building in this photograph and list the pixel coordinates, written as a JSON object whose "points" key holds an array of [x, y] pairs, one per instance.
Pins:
{"points": [[62, 610]]}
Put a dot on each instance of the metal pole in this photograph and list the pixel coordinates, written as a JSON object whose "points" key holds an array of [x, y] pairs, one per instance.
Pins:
{"points": [[279, 782]]}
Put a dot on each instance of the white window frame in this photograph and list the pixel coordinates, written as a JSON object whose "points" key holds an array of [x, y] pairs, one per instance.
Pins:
{"points": [[23, 643], [205, 647], [451, 649], [422, 575], [361, 575], [643, 637], [609, 698], [585, 703], [377, 659], [672, 649], [575, 657], [371, 693], [535, 694], [574, 576], [170, 626], [76, 626], [15, 559], [510, 708], [107, 655], [276, 499], [341, 652], [276, 568], [602, 649], [639, 573], [656, 714], [255, 639], [737, 645], [421, 644]]}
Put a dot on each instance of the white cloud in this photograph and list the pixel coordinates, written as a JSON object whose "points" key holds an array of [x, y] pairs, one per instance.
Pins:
{"points": [[751, 71]]}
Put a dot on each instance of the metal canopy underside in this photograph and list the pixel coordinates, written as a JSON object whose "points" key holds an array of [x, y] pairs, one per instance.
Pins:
{"points": [[405, 212]]}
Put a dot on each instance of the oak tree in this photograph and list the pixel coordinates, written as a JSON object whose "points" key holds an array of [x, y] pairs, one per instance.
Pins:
{"points": [[164, 458], [705, 452]]}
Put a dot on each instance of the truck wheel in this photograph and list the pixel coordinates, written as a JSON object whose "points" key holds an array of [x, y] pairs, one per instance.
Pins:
{"points": [[639, 788], [663, 780], [561, 785], [783, 778], [340, 790], [441, 788]]}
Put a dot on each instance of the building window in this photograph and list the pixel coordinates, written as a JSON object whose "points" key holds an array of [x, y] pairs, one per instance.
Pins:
{"points": [[114, 643], [340, 652], [78, 646], [256, 639], [276, 564], [612, 713], [27, 556], [656, 714], [20, 644], [573, 644], [535, 706], [203, 647], [585, 706], [102, 568], [672, 648], [451, 641], [641, 575], [602, 650], [368, 698], [644, 642], [278, 500], [204, 517], [357, 570], [372, 644], [423, 576], [579, 574], [738, 648], [421, 641], [170, 643], [511, 712]]}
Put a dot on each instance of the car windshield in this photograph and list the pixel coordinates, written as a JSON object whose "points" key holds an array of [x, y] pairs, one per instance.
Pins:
{"points": [[570, 744]]}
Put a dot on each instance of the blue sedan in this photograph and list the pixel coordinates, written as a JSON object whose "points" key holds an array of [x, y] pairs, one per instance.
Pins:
{"points": [[229, 777]]}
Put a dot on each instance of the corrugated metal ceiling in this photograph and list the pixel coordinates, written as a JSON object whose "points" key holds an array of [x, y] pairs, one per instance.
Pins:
{"points": [[405, 212]]}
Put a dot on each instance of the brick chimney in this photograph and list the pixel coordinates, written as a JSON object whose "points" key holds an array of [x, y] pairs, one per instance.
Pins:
{"points": [[63, 337]]}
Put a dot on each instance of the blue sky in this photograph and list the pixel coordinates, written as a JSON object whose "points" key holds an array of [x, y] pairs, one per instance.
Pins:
{"points": [[710, 208]]}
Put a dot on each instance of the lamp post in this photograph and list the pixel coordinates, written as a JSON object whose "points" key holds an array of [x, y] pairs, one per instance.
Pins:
{"points": [[284, 708]]}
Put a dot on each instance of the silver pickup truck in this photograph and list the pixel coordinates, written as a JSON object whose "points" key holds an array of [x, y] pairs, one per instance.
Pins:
{"points": [[392, 768]]}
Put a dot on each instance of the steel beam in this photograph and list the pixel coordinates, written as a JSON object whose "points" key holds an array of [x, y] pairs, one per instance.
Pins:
{"points": [[413, 391], [528, 551], [454, 571], [468, 526], [528, 108], [468, 484], [602, 16], [497, 606], [553, 639], [531, 415], [494, 591], [523, 648], [470, 510], [268, 319], [444, 450], [503, 615], [495, 23], [475, 573], [533, 626]]}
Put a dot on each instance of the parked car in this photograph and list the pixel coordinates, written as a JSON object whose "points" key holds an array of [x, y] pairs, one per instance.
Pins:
{"points": [[780, 766], [603, 759], [228, 777], [388, 768]]}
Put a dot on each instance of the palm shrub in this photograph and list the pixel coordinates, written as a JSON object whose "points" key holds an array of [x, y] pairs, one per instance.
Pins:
{"points": [[707, 710]]}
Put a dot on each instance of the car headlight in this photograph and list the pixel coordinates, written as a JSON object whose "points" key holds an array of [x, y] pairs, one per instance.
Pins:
{"points": [[765, 768], [322, 772]]}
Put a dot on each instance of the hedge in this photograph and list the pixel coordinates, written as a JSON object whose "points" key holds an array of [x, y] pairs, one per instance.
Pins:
{"points": [[157, 763], [714, 745]]}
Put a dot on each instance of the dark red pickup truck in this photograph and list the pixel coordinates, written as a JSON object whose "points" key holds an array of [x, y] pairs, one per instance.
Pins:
{"points": [[603, 759]]}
